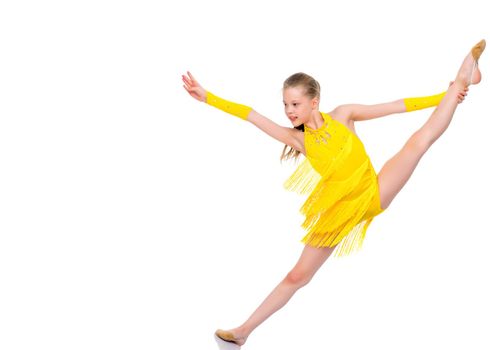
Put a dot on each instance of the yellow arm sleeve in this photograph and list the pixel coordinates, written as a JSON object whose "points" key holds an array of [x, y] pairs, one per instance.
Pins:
{"points": [[236, 109], [416, 103]]}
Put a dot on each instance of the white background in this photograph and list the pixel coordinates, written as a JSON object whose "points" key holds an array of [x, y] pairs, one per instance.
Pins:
{"points": [[134, 217]]}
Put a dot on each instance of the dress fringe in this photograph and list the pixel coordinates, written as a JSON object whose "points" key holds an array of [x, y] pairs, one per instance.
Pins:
{"points": [[338, 177], [304, 179], [334, 209]]}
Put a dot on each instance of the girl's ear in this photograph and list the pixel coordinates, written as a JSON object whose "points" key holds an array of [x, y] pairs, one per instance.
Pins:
{"points": [[315, 101]]}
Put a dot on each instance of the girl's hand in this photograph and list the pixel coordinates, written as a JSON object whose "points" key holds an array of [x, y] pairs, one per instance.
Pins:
{"points": [[461, 94], [194, 88]]}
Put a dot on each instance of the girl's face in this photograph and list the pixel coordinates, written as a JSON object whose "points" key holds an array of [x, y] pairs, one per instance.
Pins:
{"points": [[297, 106]]}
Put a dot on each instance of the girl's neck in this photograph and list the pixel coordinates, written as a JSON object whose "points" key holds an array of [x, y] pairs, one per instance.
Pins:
{"points": [[316, 120]]}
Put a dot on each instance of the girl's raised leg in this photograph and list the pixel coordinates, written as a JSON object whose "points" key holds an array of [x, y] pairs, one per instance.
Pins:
{"points": [[308, 264], [396, 171]]}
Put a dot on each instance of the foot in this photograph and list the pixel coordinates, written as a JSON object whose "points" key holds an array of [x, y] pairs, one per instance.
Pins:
{"points": [[236, 336], [469, 73]]}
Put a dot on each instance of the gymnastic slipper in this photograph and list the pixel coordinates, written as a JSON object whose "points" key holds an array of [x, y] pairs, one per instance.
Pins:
{"points": [[225, 344], [478, 49], [476, 52]]}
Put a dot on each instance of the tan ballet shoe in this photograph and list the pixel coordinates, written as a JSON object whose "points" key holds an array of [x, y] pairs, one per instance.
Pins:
{"points": [[476, 52], [225, 340], [226, 336], [478, 49]]}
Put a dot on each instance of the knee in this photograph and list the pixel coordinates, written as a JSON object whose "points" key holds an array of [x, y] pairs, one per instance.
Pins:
{"points": [[420, 141], [298, 278]]}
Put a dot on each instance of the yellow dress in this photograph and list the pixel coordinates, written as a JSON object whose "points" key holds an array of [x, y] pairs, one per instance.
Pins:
{"points": [[342, 188]]}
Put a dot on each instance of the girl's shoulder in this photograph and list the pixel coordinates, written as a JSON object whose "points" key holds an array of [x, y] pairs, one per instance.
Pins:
{"points": [[341, 114]]}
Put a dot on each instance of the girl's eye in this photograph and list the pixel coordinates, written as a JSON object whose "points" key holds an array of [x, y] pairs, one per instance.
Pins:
{"points": [[295, 104]]}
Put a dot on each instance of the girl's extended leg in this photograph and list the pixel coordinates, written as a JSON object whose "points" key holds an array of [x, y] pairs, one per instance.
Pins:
{"points": [[396, 172], [308, 264]]}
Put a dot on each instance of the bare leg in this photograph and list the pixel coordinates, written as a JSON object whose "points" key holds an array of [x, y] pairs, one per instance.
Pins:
{"points": [[308, 264], [396, 172]]}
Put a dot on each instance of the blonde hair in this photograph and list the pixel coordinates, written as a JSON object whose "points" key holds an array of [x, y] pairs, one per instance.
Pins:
{"points": [[312, 90]]}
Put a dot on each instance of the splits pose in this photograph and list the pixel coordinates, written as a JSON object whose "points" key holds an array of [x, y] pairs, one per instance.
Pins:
{"points": [[344, 191]]}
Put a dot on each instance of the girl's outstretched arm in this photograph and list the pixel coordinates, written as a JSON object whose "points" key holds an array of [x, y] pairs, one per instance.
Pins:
{"points": [[358, 112], [282, 134]]}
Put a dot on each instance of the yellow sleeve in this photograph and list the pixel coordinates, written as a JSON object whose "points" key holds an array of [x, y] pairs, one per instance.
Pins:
{"points": [[236, 109], [416, 103]]}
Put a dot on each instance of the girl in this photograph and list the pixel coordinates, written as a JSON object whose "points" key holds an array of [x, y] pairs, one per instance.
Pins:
{"points": [[345, 193]]}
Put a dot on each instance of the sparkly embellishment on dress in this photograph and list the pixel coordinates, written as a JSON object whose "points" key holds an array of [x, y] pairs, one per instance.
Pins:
{"points": [[321, 138], [320, 135]]}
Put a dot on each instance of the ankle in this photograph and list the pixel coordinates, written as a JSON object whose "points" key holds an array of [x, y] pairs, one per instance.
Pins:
{"points": [[460, 83], [243, 331]]}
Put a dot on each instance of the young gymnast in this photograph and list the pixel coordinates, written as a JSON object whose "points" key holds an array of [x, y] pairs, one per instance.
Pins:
{"points": [[344, 191]]}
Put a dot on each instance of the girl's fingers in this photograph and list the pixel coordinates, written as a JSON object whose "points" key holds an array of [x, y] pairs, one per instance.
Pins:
{"points": [[189, 82], [191, 89], [186, 80]]}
